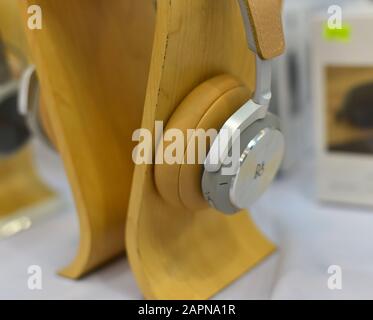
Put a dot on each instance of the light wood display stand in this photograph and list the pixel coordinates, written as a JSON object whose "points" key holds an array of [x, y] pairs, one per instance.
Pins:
{"points": [[93, 60]]}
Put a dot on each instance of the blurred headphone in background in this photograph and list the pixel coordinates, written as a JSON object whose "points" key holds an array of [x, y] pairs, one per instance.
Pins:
{"points": [[29, 105], [13, 129]]}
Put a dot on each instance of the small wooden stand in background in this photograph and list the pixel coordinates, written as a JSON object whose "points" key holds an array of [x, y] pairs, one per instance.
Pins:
{"points": [[20, 186], [93, 60], [21, 189]]}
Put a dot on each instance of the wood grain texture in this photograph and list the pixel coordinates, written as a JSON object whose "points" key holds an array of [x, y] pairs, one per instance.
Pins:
{"points": [[11, 29], [13, 36], [93, 58], [178, 253]]}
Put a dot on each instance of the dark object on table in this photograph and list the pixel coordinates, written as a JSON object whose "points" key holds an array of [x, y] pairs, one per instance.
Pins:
{"points": [[359, 146], [13, 130], [358, 107]]}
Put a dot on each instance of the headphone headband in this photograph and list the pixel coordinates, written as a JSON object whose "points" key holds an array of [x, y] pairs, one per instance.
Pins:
{"points": [[265, 37], [263, 24]]}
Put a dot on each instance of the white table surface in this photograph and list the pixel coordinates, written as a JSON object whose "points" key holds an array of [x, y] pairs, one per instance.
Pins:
{"points": [[310, 237]]}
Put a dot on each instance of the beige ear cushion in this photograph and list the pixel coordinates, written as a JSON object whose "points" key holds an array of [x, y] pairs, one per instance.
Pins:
{"points": [[207, 106], [190, 188]]}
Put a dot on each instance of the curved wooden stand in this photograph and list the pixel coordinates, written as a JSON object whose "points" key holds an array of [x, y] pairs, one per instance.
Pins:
{"points": [[178, 253], [93, 58]]}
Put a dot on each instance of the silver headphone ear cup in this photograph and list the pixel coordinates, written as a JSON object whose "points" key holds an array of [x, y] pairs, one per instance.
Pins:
{"points": [[216, 189], [260, 144]]}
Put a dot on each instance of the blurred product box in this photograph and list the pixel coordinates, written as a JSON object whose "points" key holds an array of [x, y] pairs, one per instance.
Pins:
{"points": [[342, 71], [292, 79], [290, 83]]}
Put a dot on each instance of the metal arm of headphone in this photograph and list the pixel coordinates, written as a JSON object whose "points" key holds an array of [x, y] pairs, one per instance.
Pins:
{"points": [[263, 82], [262, 19]]}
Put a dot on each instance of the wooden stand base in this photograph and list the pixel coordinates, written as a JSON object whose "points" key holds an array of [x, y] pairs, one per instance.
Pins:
{"points": [[20, 186]]}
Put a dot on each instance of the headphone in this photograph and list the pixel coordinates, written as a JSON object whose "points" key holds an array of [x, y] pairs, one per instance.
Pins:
{"points": [[13, 131], [227, 181], [230, 181]]}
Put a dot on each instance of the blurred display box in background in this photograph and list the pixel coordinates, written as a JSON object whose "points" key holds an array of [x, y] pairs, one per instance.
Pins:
{"points": [[292, 79], [343, 97]]}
